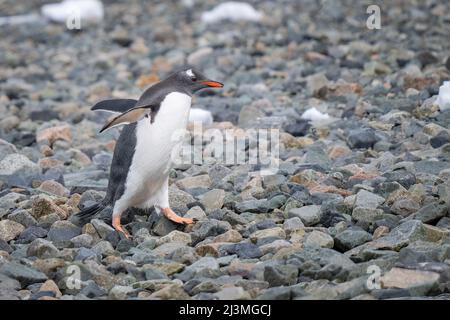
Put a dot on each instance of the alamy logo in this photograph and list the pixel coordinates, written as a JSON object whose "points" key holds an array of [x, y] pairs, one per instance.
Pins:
{"points": [[373, 281], [259, 147], [374, 20], [73, 21], [73, 281]]}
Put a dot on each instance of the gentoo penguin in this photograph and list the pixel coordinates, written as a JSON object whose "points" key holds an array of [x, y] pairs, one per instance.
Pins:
{"points": [[139, 174]]}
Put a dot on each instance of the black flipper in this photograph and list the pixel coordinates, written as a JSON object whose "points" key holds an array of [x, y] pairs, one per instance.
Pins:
{"points": [[115, 105], [132, 115], [85, 215]]}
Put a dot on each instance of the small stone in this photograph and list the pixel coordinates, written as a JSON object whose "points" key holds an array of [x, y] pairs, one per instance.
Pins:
{"points": [[350, 238], [63, 231], [10, 229], [405, 207], [256, 206], [274, 247], [23, 217], [367, 214], [379, 232], [321, 239], [31, 233], [175, 236], [310, 215], [25, 275], [440, 139], [366, 199], [43, 205], [52, 134], [53, 187], [102, 228], [416, 281], [103, 248], [229, 236], [268, 233], [213, 199], [430, 213], [119, 292], [172, 291], [280, 275], [50, 286], [42, 248], [201, 181], [196, 213], [10, 201], [83, 240], [293, 224], [15, 162], [233, 293], [362, 138]]}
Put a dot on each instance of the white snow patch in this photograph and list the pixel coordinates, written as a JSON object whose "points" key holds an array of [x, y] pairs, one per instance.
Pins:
{"points": [[86, 10], [314, 115], [200, 115], [232, 10], [443, 99]]}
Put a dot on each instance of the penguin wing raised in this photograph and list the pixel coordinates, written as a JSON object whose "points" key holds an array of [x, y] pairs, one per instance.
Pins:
{"points": [[115, 105], [130, 116]]}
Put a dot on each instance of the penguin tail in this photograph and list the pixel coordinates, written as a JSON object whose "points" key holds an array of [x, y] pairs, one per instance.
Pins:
{"points": [[85, 215]]}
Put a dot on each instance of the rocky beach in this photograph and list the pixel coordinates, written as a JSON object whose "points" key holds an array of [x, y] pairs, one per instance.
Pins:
{"points": [[357, 208]]}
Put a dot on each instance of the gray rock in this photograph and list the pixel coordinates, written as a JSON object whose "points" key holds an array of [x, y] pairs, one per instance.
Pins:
{"points": [[25, 275], [213, 199], [206, 266], [103, 248], [10, 201], [85, 253], [31, 233], [321, 239], [16, 162], [208, 228], [89, 197], [120, 292], [23, 217], [430, 213], [152, 274], [322, 256], [10, 229], [310, 215], [366, 199], [63, 231], [102, 228], [362, 138], [42, 248], [244, 250], [292, 224], [280, 275], [367, 214], [351, 238], [256, 206], [83, 240], [276, 293]]}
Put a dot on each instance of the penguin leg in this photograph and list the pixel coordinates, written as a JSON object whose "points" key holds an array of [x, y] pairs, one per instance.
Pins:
{"points": [[162, 203], [118, 226], [172, 216]]}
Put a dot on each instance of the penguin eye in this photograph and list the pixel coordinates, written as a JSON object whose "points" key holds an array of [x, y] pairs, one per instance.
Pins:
{"points": [[191, 75]]}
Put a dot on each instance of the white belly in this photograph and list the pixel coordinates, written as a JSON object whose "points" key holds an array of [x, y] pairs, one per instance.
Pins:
{"points": [[155, 143]]}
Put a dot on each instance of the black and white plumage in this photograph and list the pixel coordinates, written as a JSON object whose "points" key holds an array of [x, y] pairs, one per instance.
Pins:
{"points": [[139, 173]]}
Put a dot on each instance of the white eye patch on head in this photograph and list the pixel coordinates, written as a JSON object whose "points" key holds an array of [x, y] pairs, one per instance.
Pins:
{"points": [[190, 73]]}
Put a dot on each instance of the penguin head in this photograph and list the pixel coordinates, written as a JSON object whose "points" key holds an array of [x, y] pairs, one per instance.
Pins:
{"points": [[193, 80]]}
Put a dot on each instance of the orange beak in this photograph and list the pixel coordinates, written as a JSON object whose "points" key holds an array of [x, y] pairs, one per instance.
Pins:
{"points": [[213, 84]]}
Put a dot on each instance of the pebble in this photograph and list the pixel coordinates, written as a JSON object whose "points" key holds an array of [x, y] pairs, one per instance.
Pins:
{"points": [[309, 215]]}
